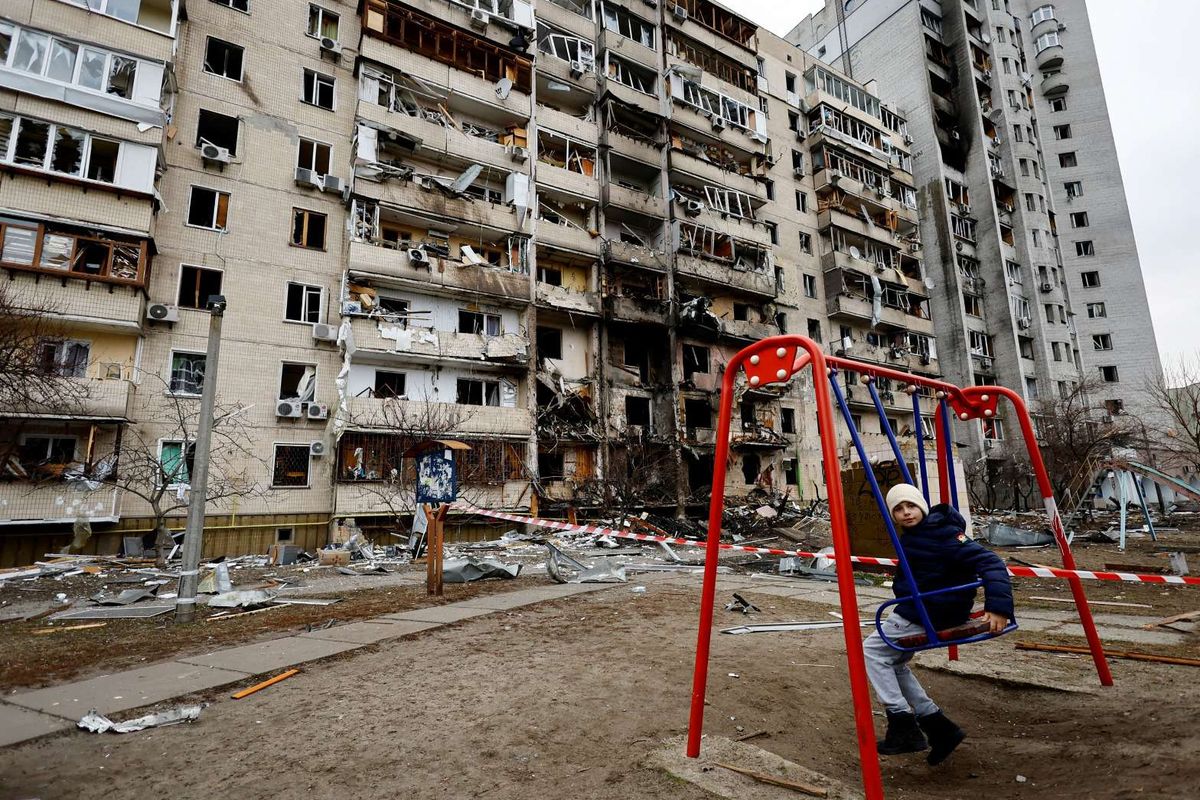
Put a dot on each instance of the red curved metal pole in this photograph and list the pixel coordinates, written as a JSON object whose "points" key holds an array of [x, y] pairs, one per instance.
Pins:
{"points": [[864, 724], [1060, 536]]}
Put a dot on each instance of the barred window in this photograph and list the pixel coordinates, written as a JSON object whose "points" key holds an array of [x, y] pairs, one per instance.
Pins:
{"points": [[291, 465]]}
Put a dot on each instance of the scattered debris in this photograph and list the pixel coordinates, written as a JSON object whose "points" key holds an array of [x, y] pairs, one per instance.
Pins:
{"points": [[739, 603], [258, 687], [114, 612], [241, 599], [45, 631], [1166, 621], [96, 722], [1126, 654], [1092, 602], [469, 568], [779, 627], [123, 598], [559, 564], [998, 534]]}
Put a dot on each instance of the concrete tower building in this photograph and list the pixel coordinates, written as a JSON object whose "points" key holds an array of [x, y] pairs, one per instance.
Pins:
{"points": [[1023, 215]]}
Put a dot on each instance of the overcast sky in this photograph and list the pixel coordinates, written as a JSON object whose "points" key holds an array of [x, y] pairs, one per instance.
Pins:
{"points": [[1154, 102]]}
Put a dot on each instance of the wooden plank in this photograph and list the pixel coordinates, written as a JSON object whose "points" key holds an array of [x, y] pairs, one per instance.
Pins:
{"points": [[815, 791], [45, 631], [1064, 648], [1187, 615], [1092, 602], [258, 687]]}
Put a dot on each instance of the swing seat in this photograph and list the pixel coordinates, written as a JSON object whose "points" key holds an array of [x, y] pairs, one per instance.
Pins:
{"points": [[958, 632]]}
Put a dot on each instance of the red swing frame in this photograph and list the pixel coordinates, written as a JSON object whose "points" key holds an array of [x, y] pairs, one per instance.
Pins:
{"points": [[776, 360]]}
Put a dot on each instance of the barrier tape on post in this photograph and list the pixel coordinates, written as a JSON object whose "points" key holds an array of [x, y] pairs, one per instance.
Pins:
{"points": [[1015, 571]]}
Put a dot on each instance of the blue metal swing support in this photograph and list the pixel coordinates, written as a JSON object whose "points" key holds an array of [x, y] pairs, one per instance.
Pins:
{"points": [[932, 637]]}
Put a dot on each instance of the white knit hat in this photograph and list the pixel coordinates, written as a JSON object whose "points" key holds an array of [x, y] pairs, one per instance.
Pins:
{"points": [[906, 493]]}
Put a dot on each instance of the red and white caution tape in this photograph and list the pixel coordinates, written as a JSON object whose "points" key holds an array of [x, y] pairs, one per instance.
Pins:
{"points": [[1016, 571]]}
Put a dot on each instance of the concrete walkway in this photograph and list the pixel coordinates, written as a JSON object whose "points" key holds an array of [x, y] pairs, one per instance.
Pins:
{"points": [[28, 715]]}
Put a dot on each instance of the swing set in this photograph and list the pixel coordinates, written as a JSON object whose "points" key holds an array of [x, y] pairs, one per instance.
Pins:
{"points": [[778, 359]]}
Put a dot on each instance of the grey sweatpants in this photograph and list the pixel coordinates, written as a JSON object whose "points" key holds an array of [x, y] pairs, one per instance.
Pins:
{"points": [[895, 685]]}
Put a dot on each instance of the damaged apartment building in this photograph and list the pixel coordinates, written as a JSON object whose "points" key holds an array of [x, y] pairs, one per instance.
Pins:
{"points": [[541, 229]]}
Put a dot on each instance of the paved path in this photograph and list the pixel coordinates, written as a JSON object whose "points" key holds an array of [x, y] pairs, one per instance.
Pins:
{"points": [[28, 715]]}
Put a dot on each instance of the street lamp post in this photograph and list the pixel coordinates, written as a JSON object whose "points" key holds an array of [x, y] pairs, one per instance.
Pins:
{"points": [[193, 537]]}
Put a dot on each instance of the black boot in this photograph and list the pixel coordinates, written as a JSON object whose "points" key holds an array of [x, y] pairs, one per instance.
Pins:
{"points": [[943, 735], [903, 735]]}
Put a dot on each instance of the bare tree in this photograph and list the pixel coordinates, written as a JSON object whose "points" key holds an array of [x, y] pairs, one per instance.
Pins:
{"points": [[154, 461], [37, 367], [1072, 432], [384, 473], [1175, 395], [641, 471]]}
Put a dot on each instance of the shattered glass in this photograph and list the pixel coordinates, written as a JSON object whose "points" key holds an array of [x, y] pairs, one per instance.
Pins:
{"points": [[33, 140], [68, 151], [120, 76], [91, 69]]}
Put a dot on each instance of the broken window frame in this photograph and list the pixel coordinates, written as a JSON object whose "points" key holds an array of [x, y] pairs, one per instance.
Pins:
{"points": [[316, 86], [64, 358], [111, 63], [487, 324], [584, 8], [186, 373], [714, 104], [697, 360], [228, 49], [392, 379], [628, 73], [730, 201], [827, 82], [297, 454], [1020, 307], [219, 218], [470, 390], [306, 232], [300, 297], [318, 19], [433, 38], [229, 144], [126, 261], [196, 299], [579, 157], [708, 243], [170, 466], [91, 148], [318, 157], [623, 22], [715, 63], [852, 130], [962, 228], [980, 344], [560, 45]]}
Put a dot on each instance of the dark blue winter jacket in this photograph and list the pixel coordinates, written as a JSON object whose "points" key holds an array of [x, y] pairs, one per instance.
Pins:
{"points": [[941, 555]]}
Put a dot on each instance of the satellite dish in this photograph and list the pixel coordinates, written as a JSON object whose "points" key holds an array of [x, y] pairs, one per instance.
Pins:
{"points": [[503, 87], [854, 253]]}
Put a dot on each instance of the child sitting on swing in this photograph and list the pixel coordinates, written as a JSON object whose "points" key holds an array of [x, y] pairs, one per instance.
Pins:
{"points": [[941, 555]]}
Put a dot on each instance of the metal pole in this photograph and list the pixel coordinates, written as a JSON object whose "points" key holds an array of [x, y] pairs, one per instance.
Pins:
{"points": [[193, 537]]}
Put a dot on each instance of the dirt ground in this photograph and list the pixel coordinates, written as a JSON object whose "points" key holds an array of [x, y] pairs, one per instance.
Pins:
{"points": [[568, 699]]}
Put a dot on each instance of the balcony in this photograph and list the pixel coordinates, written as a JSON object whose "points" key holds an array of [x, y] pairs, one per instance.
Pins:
{"points": [[433, 204], [567, 124], [142, 40], [745, 329], [88, 399], [647, 310], [724, 274], [459, 16], [441, 139], [354, 500], [844, 305], [877, 201], [50, 196], [854, 223], [742, 229], [565, 299], [637, 255], [442, 272], [1055, 85], [368, 413], [566, 237], [638, 149], [507, 351], [740, 139], [630, 50], [24, 503], [741, 50], [559, 70], [646, 103], [633, 200], [709, 173], [566, 20], [565, 180], [1050, 58], [458, 81], [827, 134], [90, 306]]}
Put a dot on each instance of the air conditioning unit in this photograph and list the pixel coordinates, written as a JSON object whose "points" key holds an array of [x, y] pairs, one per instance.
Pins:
{"points": [[988, 444], [577, 69], [306, 177], [679, 12], [801, 135], [161, 312], [350, 307], [1046, 287], [908, 139], [417, 257], [693, 207], [325, 333], [1024, 322], [289, 408], [798, 172], [479, 19], [332, 183], [987, 74], [331, 46], [318, 411], [214, 154], [316, 449], [518, 154], [985, 362], [718, 123]]}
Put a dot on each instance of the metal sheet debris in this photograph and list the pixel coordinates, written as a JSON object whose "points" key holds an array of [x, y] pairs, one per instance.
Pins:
{"points": [[465, 570], [777, 627], [559, 567], [123, 598], [114, 612], [96, 722], [998, 534], [242, 599]]}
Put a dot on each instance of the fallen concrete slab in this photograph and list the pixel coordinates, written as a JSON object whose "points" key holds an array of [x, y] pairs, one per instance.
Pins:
{"points": [[705, 773], [439, 614], [121, 691], [276, 654], [18, 724]]}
